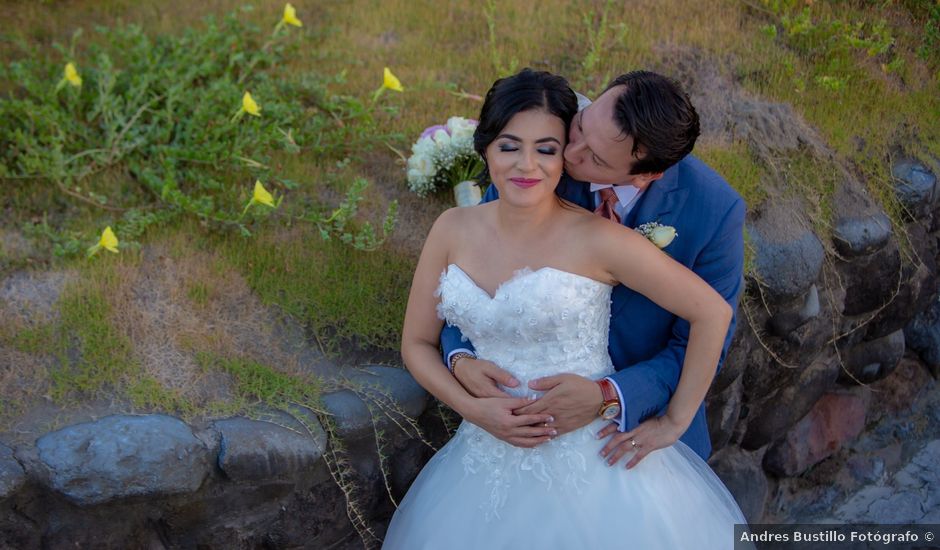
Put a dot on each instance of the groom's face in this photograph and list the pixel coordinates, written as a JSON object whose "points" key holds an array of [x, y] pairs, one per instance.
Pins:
{"points": [[597, 150]]}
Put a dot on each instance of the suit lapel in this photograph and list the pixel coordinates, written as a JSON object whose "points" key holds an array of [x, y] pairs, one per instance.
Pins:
{"points": [[664, 197]]}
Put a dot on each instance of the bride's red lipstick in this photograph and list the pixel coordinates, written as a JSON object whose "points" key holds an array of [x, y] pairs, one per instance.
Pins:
{"points": [[524, 182]]}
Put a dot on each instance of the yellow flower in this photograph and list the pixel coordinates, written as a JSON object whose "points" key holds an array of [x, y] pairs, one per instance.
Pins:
{"points": [[250, 106], [108, 241], [261, 195], [71, 75], [391, 81], [290, 16]]}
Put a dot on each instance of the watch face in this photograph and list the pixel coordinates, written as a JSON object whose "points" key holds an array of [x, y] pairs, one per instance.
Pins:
{"points": [[611, 412]]}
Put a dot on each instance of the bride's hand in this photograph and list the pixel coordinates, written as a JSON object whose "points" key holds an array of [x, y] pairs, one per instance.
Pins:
{"points": [[481, 378], [655, 433], [494, 414]]}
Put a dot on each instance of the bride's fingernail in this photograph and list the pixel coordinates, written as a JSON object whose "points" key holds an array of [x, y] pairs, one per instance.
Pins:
{"points": [[550, 419]]}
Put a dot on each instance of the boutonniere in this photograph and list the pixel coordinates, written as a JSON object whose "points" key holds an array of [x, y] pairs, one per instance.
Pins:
{"points": [[658, 234]]}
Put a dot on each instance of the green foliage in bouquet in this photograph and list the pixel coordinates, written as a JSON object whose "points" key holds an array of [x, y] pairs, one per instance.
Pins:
{"points": [[185, 123]]}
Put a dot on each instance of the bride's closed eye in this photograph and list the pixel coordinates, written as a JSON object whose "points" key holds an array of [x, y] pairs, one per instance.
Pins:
{"points": [[506, 148]]}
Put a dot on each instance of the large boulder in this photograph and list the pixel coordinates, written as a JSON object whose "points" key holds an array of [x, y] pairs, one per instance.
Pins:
{"points": [[923, 336], [123, 456], [801, 312], [786, 266], [871, 281], [872, 360], [835, 419], [915, 287], [861, 226], [914, 184], [376, 396], [252, 450], [789, 396]]}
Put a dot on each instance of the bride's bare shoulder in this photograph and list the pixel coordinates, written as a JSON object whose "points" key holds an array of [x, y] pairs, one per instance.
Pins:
{"points": [[460, 220]]}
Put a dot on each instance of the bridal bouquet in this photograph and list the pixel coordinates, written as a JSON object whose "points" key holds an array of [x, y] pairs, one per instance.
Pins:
{"points": [[443, 157]]}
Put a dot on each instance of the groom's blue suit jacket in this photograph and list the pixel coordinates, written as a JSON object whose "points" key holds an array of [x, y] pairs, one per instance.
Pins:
{"points": [[647, 343]]}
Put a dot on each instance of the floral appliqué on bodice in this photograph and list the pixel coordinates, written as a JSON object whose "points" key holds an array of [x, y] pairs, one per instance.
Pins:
{"points": [[537, 324]]}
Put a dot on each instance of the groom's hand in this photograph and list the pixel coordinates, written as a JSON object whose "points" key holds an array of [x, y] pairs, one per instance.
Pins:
{"points": [[482, 378], [573, 400]]}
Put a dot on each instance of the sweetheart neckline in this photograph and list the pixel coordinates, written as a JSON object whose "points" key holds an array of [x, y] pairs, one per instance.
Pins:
{"points": [[520, 274]]}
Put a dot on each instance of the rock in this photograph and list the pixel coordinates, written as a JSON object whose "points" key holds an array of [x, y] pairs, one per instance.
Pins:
{"points": [[912, 295], [788, 320], [254, 450], [835, 419], [861, 226], [797, 391], [870, 281], [123, 456], [866, 469], [923, 336], [12, 475], [742, 474], [743, 352], [909, 382], [872, 360], [787, 268], [914, 183], [390, 391], [857, 236], [722, 410], [911, 496]]}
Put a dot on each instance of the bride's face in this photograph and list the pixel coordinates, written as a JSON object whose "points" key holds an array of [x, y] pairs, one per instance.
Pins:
{"points": [[525, 159]]}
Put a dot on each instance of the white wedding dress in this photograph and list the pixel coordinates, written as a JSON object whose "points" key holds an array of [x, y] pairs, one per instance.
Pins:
{"points": [[479, 493]]}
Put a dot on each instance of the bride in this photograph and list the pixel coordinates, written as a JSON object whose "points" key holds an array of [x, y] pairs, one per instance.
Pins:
{"points": [[528, 279]]}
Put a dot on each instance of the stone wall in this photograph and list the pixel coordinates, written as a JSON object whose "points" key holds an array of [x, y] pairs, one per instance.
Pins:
{"points": [[821, 322], [153, 481]]}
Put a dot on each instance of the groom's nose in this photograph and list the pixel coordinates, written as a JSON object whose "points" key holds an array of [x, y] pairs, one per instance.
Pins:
{"points": [[573, 152]]}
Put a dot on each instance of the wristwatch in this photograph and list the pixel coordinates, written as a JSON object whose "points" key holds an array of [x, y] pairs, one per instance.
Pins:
{"points": [[457, 356], [610, 408]]}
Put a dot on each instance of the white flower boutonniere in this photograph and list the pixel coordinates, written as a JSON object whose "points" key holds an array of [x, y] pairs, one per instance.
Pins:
{"points": [[658, 234]]}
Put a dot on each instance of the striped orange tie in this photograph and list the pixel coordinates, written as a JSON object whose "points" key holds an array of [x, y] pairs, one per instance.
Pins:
{"points": [[609, 200]]}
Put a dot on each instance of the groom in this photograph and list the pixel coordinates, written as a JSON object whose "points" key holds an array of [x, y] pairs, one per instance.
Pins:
{"points": [[633, 145]]}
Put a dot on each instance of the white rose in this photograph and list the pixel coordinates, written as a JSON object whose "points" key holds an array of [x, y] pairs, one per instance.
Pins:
{"points": [[424, 146], [663, 235], [460, 128], [441, 139], [421, 165]]}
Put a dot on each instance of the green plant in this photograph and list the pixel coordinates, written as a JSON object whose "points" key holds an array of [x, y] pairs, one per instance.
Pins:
{"points": [[155, 115], [502, 69], [598, 28]]}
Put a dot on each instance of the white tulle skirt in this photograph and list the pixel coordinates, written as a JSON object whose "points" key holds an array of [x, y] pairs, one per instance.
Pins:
{"points": [[479, 493]]}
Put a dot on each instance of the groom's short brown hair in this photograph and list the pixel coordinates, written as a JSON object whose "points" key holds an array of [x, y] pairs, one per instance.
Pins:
{"points": [[657, 113]]}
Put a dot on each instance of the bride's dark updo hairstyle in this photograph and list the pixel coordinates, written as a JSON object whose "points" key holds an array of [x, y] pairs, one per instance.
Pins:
{"points": [[526, 90]]}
